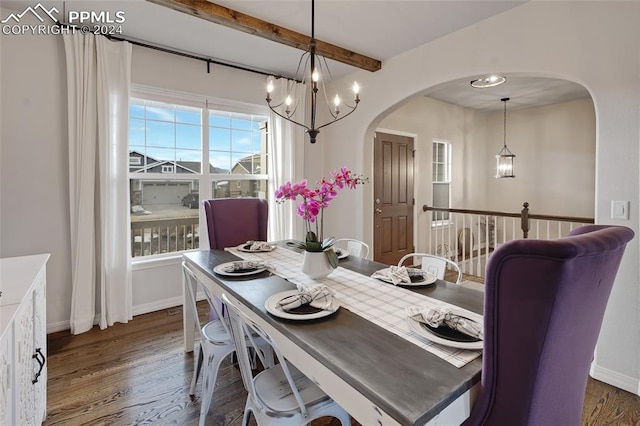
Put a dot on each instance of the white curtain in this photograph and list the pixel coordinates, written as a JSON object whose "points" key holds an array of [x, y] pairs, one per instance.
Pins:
{"points": [[98, 80], [286, 161]]}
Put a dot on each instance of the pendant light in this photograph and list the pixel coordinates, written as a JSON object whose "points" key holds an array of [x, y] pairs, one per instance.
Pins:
{"points": [[505, 158]]}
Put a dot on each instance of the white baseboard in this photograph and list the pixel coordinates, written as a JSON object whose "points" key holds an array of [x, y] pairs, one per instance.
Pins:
{"points": [[58, 326], [616, 379], [157, 305], [137, 310]]}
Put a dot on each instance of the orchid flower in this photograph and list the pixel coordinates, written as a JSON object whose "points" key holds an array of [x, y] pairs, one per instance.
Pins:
{"points": [[314, 201]]}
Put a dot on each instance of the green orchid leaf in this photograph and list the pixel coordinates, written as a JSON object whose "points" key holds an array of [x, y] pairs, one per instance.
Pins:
{"points": [[311, 236], [333, 258], [297, 244], [328, 242], [313, 246]]}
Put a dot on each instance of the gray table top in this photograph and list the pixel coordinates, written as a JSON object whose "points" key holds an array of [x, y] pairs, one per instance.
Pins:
{"points": [[407, 382]]}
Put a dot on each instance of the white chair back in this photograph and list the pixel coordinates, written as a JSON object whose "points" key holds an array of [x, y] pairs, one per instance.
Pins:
{"points": [[193, 286], [241, 329], [354, 247], [433, 264]]}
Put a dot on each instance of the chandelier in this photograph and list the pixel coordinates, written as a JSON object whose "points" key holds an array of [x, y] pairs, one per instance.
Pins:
{"points": [[504, 159], [311, 71]]}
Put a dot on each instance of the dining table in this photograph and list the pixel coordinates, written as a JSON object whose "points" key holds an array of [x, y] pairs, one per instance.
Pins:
{"points": [[380, 376]]}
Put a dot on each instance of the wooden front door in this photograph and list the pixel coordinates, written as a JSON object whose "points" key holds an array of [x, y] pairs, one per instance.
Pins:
{"points": [[393, 197]]}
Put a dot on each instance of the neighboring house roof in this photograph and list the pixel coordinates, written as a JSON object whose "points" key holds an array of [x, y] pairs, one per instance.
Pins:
{"points": [[248, 165], [193, 165], [150, 163]]}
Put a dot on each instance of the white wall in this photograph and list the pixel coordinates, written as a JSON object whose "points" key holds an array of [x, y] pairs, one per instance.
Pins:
{"points": [[595, 44], [555, 149], [34, 194]]}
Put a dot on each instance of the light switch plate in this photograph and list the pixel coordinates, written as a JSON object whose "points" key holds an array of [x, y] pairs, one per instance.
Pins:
{"points": [[620, 210]]}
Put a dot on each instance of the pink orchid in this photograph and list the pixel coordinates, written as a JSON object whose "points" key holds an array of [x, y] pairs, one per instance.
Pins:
{"points": [[314, 201]]}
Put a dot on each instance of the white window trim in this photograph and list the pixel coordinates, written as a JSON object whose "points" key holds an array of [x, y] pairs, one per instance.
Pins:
{"points": [[449, 163]]}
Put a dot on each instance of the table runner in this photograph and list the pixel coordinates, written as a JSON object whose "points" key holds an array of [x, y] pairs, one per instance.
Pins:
{"points": [[381, 303]]}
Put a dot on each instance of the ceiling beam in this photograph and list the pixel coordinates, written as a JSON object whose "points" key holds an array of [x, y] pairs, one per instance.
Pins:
{"points": [[204, 9]]}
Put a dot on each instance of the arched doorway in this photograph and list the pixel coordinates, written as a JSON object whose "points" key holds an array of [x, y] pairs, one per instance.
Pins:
{"points": [[551, 129]]}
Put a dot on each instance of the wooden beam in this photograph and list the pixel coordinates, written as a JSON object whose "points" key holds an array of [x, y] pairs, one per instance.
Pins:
{"points": [[204, 9]]}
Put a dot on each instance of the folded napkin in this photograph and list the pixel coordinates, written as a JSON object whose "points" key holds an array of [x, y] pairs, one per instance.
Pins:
{"points": [[246, 265], [257, 246], [442, 315], [317, 295], [393, 274]]}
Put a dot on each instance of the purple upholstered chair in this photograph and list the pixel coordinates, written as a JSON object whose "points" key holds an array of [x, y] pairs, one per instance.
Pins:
{"points": [[233, 221], [543, 308]]}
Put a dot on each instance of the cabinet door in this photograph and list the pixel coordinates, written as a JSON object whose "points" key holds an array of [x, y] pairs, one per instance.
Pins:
{"points": [[6, 381], [40, 343], [25, 364]]}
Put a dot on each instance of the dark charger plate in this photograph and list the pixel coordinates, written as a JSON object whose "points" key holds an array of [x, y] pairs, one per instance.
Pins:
{"points": [[305, 309]]}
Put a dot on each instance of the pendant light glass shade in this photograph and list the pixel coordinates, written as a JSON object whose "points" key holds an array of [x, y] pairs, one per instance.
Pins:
{"points": [[505, 158]]}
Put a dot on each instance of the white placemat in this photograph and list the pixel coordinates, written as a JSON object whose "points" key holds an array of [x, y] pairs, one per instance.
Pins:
{"points": [[378, 302]]}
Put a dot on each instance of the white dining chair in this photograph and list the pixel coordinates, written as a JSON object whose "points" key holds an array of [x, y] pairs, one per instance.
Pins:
{"points": [[215, 342], [433, 264], [279, 395], [354, 247]]}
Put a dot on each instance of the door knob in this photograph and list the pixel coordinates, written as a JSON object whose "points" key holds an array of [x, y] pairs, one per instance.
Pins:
{"points": [[378, 211]]}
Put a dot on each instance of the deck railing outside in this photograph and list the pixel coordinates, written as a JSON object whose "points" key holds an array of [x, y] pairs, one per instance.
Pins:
{"points": [[469, 236], [164, 236]]}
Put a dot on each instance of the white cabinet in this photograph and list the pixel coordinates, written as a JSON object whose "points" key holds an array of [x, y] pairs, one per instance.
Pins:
{"points": [[23, 340]]}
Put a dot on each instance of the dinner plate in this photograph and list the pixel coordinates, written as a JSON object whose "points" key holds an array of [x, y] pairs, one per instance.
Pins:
{"points": [[245, 248], [304, 312], [342, 254], [221, 269], [418, 278], [450, 337]]}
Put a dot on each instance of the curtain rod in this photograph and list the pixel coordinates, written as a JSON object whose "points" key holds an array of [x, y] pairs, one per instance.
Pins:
{"points": [[209, 61]]}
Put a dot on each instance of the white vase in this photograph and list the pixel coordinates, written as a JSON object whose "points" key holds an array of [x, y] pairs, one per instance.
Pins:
{"points": [[315, 265]]}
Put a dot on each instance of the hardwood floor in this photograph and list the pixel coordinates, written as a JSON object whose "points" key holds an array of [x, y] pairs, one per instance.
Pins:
{"points": [[138, 374]]}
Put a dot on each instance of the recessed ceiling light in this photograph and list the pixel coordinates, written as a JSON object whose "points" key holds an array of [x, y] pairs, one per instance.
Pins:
{"points": [[488, 81]]}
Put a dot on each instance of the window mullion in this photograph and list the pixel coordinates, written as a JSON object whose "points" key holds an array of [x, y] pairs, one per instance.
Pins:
{"points": [[205, 178]]}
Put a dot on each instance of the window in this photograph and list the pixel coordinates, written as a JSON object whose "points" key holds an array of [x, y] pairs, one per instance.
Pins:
{"points": [[238, 155], [441, 180], [169, 142]]}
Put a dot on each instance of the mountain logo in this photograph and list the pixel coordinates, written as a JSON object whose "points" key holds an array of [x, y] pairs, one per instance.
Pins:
{"points": [[33, 10]]}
